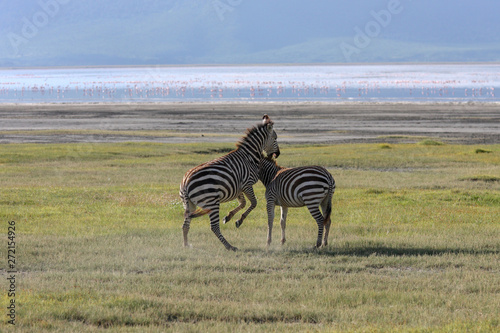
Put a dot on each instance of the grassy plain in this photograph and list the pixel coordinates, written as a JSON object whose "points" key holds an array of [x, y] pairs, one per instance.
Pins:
{"points": [[414, 245]]}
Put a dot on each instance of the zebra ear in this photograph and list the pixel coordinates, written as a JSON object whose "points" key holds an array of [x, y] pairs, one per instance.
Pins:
{"points": [[267, 121]]}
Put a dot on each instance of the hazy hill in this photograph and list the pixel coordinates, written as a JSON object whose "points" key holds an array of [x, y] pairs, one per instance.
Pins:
{"points": [[113, 32]]}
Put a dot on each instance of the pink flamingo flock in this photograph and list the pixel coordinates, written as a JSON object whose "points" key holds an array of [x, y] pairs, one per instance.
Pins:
{"points": [[203, 88]]}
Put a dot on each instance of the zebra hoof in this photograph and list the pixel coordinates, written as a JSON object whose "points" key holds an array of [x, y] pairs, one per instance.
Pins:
{"points": [[238, 223], [232, 248], [225, 220]]}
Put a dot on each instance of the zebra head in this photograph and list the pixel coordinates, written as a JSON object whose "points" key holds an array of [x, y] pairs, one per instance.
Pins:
{"points": [[271, 146], [268, 168]]}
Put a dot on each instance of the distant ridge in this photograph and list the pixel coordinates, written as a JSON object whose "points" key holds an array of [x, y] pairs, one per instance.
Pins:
{"points": [[127, 32]]}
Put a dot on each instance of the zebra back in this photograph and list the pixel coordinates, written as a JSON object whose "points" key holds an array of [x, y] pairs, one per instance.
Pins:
{"points": [[226, 176], [295, 187]]}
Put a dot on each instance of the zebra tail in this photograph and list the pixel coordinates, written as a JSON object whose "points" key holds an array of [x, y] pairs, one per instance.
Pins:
{"points": [[199, 212], [185, 199]]}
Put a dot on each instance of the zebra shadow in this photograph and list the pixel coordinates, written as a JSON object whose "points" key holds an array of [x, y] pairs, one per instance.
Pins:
{"points": [[367, 251]]}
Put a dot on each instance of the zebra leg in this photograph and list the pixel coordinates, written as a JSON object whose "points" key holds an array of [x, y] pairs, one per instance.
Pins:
{"points": [[185, 230], [316, 214], [215, 227], [327, 230], [284, 211], [253, 203], [270, 220], [326, 208], [189, 208], [242, 201]]}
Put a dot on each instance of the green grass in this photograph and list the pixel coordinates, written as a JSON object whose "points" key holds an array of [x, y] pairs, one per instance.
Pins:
{"points": [[482, 178], [414, 244], [429, 142]]}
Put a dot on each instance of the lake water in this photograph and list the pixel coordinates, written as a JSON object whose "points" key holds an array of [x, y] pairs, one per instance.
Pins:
{"points": [[327, 83]]}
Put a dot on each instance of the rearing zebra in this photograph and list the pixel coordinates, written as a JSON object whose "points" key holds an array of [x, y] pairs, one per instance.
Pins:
{"points": [[310, 186], [226, 178]]}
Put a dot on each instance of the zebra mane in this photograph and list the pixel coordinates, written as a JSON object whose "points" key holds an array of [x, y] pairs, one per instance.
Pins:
{"points": [[274, 162], [248, 134], [268, 169]]}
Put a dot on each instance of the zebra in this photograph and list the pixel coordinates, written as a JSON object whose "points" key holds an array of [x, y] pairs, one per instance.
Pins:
{"points": [[227, 178], [310, 186]]}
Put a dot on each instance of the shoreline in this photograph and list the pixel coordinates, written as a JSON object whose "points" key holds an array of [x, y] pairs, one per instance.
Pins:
{"points": [[295, 122], [346, 64]]}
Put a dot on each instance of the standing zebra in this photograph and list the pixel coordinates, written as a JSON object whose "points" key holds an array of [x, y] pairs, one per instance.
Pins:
{"points": [[310, 186], [226, 178]]}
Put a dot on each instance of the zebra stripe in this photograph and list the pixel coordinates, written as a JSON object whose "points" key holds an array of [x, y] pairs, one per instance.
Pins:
{"points": [[310, 186], [227, 178]]}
